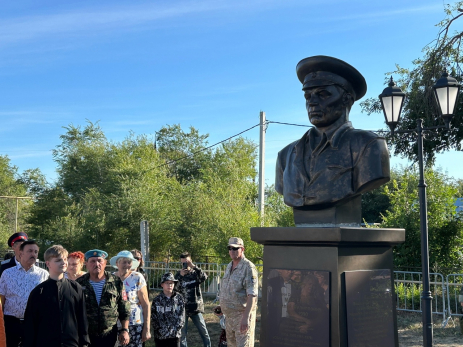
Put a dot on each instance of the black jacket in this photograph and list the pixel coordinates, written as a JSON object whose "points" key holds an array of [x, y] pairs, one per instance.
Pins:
{"points": [[7, 265], [55, 315], [190, 288]]}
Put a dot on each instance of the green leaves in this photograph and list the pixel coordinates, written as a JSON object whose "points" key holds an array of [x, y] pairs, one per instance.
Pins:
{"points": [[444, 224], [193, 197]]}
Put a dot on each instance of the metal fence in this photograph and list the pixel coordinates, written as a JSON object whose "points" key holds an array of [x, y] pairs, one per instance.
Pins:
{"points": [[408, 287], [214, 272], [454, 286]]}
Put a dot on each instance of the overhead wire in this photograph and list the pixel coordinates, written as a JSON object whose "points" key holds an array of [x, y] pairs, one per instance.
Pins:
{"points": [[238, 134], [203, 149]]}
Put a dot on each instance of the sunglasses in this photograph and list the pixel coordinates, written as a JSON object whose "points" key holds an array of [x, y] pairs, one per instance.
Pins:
{"points": [[233, 248], [137, 258]]}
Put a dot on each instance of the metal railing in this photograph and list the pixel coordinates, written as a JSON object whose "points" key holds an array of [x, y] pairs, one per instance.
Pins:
{"points": [[408, 287], [454, 286], [214, 272]]}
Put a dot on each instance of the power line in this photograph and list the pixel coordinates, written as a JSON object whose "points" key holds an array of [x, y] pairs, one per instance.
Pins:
{"points": [[203, 149], [297, 125]]}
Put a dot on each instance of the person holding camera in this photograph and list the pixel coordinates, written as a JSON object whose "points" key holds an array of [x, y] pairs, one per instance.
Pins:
{"points": [[238, 297], [190, 279]]}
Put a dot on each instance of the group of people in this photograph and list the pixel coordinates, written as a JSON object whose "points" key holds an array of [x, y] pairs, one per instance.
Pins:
{"points": [[68, 307]]}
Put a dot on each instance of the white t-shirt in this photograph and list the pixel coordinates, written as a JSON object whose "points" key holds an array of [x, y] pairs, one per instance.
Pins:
{"points": [[133, 284]]}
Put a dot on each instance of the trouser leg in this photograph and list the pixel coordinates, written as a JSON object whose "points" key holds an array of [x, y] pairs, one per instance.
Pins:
{"points": [[13, 331], [246, 339], [109, 340], [167, 342], [183, 342], [200, 324]]}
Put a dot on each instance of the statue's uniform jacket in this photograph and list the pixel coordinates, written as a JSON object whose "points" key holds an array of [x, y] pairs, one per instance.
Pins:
{"points": [[349, 162]]}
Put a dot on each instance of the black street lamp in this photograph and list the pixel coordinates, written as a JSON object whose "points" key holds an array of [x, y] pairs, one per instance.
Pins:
{"points": [[446, 92]]}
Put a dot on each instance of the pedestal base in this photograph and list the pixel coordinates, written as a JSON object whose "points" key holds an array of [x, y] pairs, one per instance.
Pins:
{"points": [[335, 251]]}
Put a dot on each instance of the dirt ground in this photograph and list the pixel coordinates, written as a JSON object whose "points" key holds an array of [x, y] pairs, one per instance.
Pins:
{"points": [[411, 331]]}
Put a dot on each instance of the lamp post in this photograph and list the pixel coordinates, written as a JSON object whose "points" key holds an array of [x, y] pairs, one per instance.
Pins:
{"points": [[446, 92]]}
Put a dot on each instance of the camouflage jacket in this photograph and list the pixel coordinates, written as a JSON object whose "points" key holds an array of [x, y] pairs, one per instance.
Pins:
{"points": [[190, 286], [113, 304], [168, 316]]}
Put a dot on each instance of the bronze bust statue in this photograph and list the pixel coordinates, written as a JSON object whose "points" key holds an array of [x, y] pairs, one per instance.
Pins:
{"points": [[333, 163]]}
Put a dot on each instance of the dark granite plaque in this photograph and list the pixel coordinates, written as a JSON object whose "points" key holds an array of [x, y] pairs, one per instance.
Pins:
{"points": [[369, 308], [298, 308]]}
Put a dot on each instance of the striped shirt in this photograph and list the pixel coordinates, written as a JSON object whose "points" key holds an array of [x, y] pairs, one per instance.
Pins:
{"points": [[98, 288]]}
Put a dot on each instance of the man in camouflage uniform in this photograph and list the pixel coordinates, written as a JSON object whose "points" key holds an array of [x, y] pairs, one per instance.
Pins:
{"points": [[106, 302], [238, 297]]}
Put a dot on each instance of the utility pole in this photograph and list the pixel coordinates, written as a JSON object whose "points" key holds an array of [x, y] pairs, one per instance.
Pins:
{"points": [[263, 128], [145, 240], [17, 207]]}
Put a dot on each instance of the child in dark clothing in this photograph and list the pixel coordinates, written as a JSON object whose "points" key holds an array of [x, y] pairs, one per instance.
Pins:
{"points": [[168, 314]]}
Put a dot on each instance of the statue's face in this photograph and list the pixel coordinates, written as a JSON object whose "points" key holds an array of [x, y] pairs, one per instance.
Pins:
{"points": [[324, 105]]}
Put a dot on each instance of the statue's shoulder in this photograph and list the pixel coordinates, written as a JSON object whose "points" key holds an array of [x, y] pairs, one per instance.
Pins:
{"points": [[363, 136], [289, 148]]}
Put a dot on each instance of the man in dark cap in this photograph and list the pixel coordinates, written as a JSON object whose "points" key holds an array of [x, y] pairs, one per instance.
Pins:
{"points": [[333, 162], [106, 302], [15, 241]]}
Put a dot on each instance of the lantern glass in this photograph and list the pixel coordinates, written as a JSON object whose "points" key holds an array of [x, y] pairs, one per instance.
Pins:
{"points": [[392, 106], [446, 98]]}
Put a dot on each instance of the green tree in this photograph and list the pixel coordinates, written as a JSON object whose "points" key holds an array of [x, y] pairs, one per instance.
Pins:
{"points": [[444, 224], [11, 185], [443, 53], [105, 189]]}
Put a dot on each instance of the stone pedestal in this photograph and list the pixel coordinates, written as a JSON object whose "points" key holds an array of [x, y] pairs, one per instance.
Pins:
{"points": [[337, 251]]}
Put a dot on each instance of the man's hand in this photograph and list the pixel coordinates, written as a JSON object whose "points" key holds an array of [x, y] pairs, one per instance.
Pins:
{"points": [[145, 334], [124, 338], [184, 272], [244, 326], [190, 264]]}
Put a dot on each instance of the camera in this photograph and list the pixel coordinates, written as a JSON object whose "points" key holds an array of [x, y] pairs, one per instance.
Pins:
{"points": [[184, 266]]}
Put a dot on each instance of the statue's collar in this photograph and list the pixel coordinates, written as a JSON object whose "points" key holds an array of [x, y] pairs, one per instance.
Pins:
{"points": [[333, 134]]}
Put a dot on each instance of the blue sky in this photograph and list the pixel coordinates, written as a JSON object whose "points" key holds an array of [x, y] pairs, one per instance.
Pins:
{"points": [[139, 65]]}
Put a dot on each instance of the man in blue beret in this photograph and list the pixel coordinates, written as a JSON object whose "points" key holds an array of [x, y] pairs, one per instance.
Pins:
{"points": [[106, 302], [332, 163], [15, 241]]}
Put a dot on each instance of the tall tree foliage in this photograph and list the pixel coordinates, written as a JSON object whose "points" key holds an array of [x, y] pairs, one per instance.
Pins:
{"points": [[105, 189], [11, 185], [444, 223], [440, 54]]}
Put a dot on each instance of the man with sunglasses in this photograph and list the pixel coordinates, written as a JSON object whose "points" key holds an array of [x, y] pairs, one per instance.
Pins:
{"points": [[238, 296]]}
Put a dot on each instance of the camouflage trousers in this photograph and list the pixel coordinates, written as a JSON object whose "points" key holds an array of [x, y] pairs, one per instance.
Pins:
{"points": [[232, 326]]}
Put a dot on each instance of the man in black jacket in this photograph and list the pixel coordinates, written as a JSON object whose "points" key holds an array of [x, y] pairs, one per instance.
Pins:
{"points": [[15, 241], [55, 312], [190, 279]]}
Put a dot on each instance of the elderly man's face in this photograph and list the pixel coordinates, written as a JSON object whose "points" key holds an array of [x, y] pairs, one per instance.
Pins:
{"points": [[96, 265], [324, 105]]}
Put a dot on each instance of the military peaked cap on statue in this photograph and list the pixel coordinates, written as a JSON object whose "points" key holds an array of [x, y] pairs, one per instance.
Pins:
{"points": [[17, 237], [321, 70], [95, 253]]}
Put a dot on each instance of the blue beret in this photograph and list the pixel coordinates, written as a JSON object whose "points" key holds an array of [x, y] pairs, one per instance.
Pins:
{"points": [[95, 253]]}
